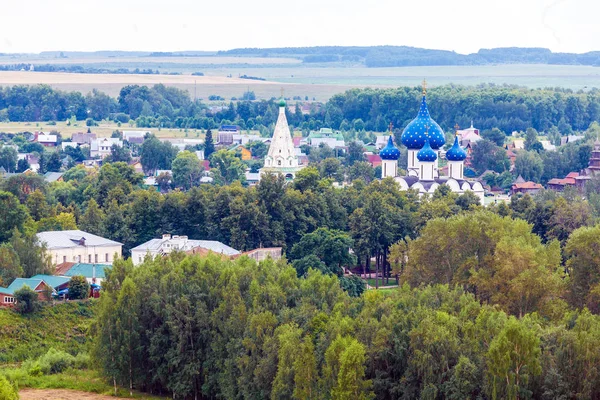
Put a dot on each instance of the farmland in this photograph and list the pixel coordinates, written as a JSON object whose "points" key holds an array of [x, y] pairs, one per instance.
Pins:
{"points": [[319, 81]]}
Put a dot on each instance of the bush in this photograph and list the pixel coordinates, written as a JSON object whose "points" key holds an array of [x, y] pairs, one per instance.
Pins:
{"points": [[90, 122], [82, 361], [27, 300], [54, 362], [79, 288], [8, 390]]}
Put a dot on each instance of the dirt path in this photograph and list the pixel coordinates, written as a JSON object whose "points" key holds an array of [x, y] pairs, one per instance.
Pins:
{"points": [[60, 394]]}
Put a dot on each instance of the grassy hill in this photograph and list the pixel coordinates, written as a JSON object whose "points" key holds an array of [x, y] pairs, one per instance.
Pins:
{"points": [[63, 326]]}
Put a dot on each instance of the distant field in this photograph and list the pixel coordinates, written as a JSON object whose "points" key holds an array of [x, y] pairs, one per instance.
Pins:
{"points": [[103, 130], [142, 60], [318, 82]]}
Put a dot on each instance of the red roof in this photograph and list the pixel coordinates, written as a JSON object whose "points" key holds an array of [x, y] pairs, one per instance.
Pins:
{"points": [[572, 175], [527, 185], [374, 159], [206, 165]]}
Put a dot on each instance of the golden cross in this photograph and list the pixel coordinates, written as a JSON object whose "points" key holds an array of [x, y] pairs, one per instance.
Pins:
{"points": [[424, 87], [456, 128], [391, 126]]}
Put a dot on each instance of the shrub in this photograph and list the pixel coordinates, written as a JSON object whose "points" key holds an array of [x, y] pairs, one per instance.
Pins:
{"points": [[79, 288], [82, 361], [8, 390], [55, 362], [27, 300]]}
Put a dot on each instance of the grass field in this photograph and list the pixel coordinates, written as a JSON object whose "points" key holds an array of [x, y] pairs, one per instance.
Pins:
{"points": [[298, 79], [104, 129]]}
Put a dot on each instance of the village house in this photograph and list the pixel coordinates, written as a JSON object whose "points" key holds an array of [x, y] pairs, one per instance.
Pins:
{"points": [[468, 136], [136, 137], [326, 136], [521, 186], [93, 273], [79, 247], [7, 294], [45, 139], [560, 184], [168, 243], [101, 147]]}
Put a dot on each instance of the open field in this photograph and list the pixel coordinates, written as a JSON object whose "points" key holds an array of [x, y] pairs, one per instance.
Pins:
{"points": [[318, 82], [104, 129], [143, 60]]}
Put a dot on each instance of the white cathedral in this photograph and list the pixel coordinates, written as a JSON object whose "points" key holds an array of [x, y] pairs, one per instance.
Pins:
{"points": [[424, 138], [282, 158]]}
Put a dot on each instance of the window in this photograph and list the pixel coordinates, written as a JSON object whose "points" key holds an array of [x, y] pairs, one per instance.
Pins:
{"points": [[9, 299], [64, 259], [279, 162], [78, 259], [106, 257], [140, 258], [95, 258], [89, 258]]}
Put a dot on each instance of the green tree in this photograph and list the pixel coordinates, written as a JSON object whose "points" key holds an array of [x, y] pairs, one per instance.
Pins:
{"points": [[529, 165], [330, 246], [79, 288], [361, 170], [186, 170], [10, 266], [37, 205], [494, 135], [8, 158], [31, 253], [351, 382], [156, 155], [581, 251], [27, 301], [54, 163], [513, 358], [305, 372], [209, 146], [8, 391], [118, 153], [91, 221], [228, 168], [307, 179], [487, 155], [12, 215]]}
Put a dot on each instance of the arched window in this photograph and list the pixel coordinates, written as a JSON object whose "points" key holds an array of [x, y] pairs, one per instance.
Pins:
{"points": [[279, 162]]}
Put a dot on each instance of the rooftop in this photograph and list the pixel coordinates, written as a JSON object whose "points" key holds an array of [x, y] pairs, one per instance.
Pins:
{"points": [[184, 244], [73, 238]]}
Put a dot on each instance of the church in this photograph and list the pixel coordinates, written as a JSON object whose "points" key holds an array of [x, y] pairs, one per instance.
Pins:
{"points": [[424, 139], [282, 157]]}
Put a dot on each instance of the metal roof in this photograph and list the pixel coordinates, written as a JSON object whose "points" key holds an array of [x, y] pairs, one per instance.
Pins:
{"points": [[52, 280], [70, 239], [87, 270], [212, 245]]}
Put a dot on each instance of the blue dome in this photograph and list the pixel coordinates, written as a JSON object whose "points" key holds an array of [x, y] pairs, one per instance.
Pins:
{"points": [[456, 153], [426, 154], [414, 134], [390, 152]]}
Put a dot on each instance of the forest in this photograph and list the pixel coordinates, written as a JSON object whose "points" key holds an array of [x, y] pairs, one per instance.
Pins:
{"points": [[475, 284], [402, 56], [508, 108]]}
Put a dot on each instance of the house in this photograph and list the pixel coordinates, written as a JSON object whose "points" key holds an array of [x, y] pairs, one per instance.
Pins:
{"points": [[245, 139], [66, 145], [200, 154], [570, 139], [225, 134], [521, 186], [381, 141], [83, 138], [93, 273], [328, 137], [263, 253], [55, 282], [252, 178], [32, 158], [547, 145], [468, 136], [101, 147], [7, 295], [168, 243], [517, 144], [45, 139], [560, 184], [373, 159], [137, 166], [79, 246], [136, 137], [246, 154], [53, 177]]}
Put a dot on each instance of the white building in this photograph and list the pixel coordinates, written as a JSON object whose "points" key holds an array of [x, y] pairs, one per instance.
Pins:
{"points": [[282, 158], [168, 243], [424, 139], [101, 147], [79, 247], [468, 136]]}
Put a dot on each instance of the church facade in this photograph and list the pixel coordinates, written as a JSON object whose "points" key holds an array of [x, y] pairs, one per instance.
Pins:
{"points": [[281, 157], [424, 138]]}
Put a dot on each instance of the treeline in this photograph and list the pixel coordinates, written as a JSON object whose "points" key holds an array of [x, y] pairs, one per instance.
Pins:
{"points": [[80, 69], [508, 108], [401, 56], [195, 327]]}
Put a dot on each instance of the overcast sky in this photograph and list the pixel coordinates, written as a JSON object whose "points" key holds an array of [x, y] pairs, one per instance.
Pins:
{"points": [[464, 26]]}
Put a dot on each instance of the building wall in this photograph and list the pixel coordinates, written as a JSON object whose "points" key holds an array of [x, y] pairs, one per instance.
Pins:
{"points": [[82, 254], [7, 300], [137, 256]]}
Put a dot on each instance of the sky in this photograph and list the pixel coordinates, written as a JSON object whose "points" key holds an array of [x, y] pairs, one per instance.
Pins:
{"points": [[464, 26]]}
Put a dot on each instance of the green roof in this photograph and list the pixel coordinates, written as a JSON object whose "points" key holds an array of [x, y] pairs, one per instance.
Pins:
{"points": [[52, 280], [87, 270], [19, 283]]}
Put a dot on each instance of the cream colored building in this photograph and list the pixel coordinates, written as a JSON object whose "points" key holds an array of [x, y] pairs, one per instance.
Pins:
{"points": [[76, 246]]}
